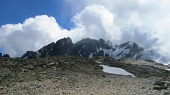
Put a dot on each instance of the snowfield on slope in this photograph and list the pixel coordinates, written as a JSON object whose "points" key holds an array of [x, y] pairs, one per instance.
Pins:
{"points": [[115, 70]]}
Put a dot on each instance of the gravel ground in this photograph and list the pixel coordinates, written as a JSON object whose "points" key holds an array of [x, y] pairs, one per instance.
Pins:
{"points": [[86, 84], [71, 75]]}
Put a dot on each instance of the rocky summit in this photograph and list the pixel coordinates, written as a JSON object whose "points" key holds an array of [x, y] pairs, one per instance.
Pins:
{"points": [[88, 48], [5, 55]]}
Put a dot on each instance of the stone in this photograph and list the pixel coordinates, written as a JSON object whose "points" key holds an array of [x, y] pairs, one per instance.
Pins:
{"points": [[51, 64], [159, 83], [160, 88]]}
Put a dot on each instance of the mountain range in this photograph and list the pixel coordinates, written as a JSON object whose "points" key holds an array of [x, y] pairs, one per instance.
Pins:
{"points": [[85, 65], [90, 48]]}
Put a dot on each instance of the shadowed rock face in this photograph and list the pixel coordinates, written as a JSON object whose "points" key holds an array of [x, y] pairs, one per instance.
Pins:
{"points": [[87, 48], [63, 47], [6, 55], [28, 54], [134, 49]]}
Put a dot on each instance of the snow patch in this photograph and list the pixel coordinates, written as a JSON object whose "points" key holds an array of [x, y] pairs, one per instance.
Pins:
{"points": [[106, 51], [97, 49], [168, 69], [81, 49], [119, 50], [98, 62], [26, 57], [91, 55], [115, 70]]}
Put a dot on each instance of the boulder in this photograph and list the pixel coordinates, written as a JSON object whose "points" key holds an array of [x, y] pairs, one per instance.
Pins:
{"points": [[161, 85]]}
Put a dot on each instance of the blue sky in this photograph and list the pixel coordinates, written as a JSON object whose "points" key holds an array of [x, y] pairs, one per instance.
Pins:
{"points": [[31, 24], [16, 11]]}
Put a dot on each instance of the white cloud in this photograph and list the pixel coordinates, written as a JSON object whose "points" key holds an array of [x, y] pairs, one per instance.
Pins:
{"points": [[16, 39], [97, 22], [144, 21]]}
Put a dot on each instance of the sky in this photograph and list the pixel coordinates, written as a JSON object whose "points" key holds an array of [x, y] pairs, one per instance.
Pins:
{"points": [[31, 24]]}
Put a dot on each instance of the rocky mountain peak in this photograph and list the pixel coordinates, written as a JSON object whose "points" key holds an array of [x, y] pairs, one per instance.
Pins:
{"points": [[128, 50], [88, 48], [129, 44], [5, 55], [63, 47]]}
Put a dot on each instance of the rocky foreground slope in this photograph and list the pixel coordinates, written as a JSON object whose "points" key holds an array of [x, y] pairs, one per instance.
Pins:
{"points": [[73, 75]]}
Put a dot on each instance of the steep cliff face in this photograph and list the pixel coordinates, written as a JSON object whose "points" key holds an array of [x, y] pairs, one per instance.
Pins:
{"points": [[128, 50], [63, 47], [87, 48], [90, 48]]}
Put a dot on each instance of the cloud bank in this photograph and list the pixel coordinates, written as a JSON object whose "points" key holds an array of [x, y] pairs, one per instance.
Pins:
{"points": [[145, 22]]}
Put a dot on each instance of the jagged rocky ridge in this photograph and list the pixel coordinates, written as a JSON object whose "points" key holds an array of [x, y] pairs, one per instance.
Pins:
{"points": [[5, 55], [88, 48]]}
